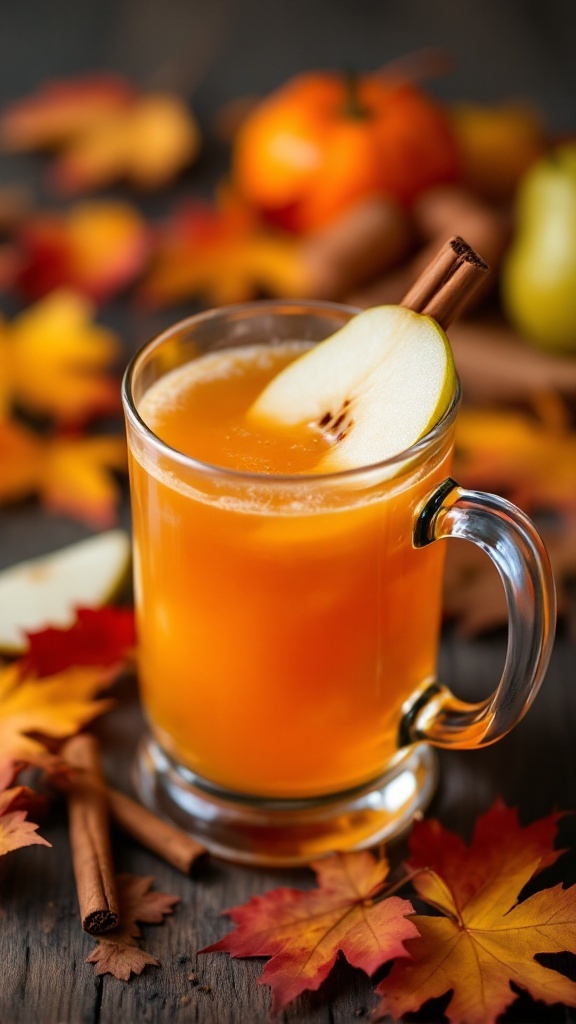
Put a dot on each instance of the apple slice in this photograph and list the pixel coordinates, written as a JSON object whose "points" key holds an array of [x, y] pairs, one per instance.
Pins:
{"points": [[373, 388], [46, 591]]}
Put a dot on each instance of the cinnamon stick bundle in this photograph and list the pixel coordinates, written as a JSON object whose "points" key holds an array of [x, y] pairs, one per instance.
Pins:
{"points": [[89, 836], [165, 840]]}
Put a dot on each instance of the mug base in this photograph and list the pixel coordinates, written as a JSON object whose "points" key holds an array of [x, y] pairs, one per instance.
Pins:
{"points": [[262, 831]]}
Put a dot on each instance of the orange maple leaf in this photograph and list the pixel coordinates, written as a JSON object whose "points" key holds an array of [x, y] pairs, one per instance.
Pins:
{"points": [[96, 248], [147, 143], [61, 109], [71, 475], [487, 939], [15, 830], [118, 952], [529, 456], [106, 131], [53, 360], [34, 711], [222, 254], [304, 932]]}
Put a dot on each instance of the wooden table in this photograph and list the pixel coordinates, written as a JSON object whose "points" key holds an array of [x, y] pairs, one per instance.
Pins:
{"points": [[44, 978]]}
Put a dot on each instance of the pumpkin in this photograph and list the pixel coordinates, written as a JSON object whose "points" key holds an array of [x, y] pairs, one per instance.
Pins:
{"points": [[324, 141]]}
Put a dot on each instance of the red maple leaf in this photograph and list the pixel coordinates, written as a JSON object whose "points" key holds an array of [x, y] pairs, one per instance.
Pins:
{"points": [[304, 932], [99, 636], [485, 938]]}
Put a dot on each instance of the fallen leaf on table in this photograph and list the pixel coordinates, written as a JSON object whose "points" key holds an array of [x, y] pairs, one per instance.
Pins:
{"points": [[486, 938], [99, 636], [118, 952], [15, 830], [105, 131], [304, 932], [71, 475], [531, 458], [95, 248], [54, 360], [147, 144], [222, 254], [34, 711], [60, 109]]}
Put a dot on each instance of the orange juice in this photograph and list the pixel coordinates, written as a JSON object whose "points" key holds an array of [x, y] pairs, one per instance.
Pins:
{"points": [[284, 618]]}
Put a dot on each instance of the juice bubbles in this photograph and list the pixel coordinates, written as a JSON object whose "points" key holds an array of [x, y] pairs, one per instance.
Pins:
{"points": [[284, 618]]}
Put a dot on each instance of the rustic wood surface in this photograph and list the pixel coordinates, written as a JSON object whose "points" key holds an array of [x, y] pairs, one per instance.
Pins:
{"points": [[213, 51], [44, 976]]}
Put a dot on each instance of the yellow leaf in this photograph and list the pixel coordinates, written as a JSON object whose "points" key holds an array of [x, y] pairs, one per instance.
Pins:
{"points": [[147, 143], [54, 706], [529, 457], [55, 359], [71, 475]]}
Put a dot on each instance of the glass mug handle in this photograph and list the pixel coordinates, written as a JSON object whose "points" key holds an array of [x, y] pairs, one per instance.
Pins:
{"points": [[511, 541]]}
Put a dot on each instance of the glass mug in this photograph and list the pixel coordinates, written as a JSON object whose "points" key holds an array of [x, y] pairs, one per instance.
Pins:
{"points": [[289, 625]]}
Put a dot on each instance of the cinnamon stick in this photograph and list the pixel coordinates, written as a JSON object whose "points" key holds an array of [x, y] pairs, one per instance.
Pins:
{"points": [[447, 283], [372, 237], [167, 841], [89, 836]]}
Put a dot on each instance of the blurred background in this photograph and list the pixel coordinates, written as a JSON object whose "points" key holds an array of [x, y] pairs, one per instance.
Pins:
{"points": [[147, 209], [213, 50]]}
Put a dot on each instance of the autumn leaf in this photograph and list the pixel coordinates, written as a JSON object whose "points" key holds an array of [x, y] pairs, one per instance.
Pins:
{"points": [[304, 932], [54, 360], [71, 475], [99, 636], [61, 109], [221, 254], [34, 711], [147, 144], [531, 457], [118, 952], [105, 131], [486, 939], [95, 248], [15, 830]]}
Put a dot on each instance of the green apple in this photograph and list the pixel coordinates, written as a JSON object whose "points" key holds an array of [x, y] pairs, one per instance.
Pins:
{"points": [[374, 388], [46, 591], [539, 274]]}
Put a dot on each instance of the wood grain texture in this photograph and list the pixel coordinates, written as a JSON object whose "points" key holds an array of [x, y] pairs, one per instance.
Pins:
{"points": [[43, 947]]}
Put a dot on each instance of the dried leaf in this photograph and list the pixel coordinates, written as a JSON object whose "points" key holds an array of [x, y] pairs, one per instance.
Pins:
{"points": [[147, 144], [304, 932], [33, 711], [15, 830], [54, 360], [118, 952], [99, 636], [61, 109], [105, 131], [529, 457], [221, 254], [71, 475], [487, 939], [95, 248]]}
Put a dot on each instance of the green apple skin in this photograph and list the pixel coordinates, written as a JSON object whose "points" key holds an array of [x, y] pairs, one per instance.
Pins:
{"points": [[539, 274]]}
